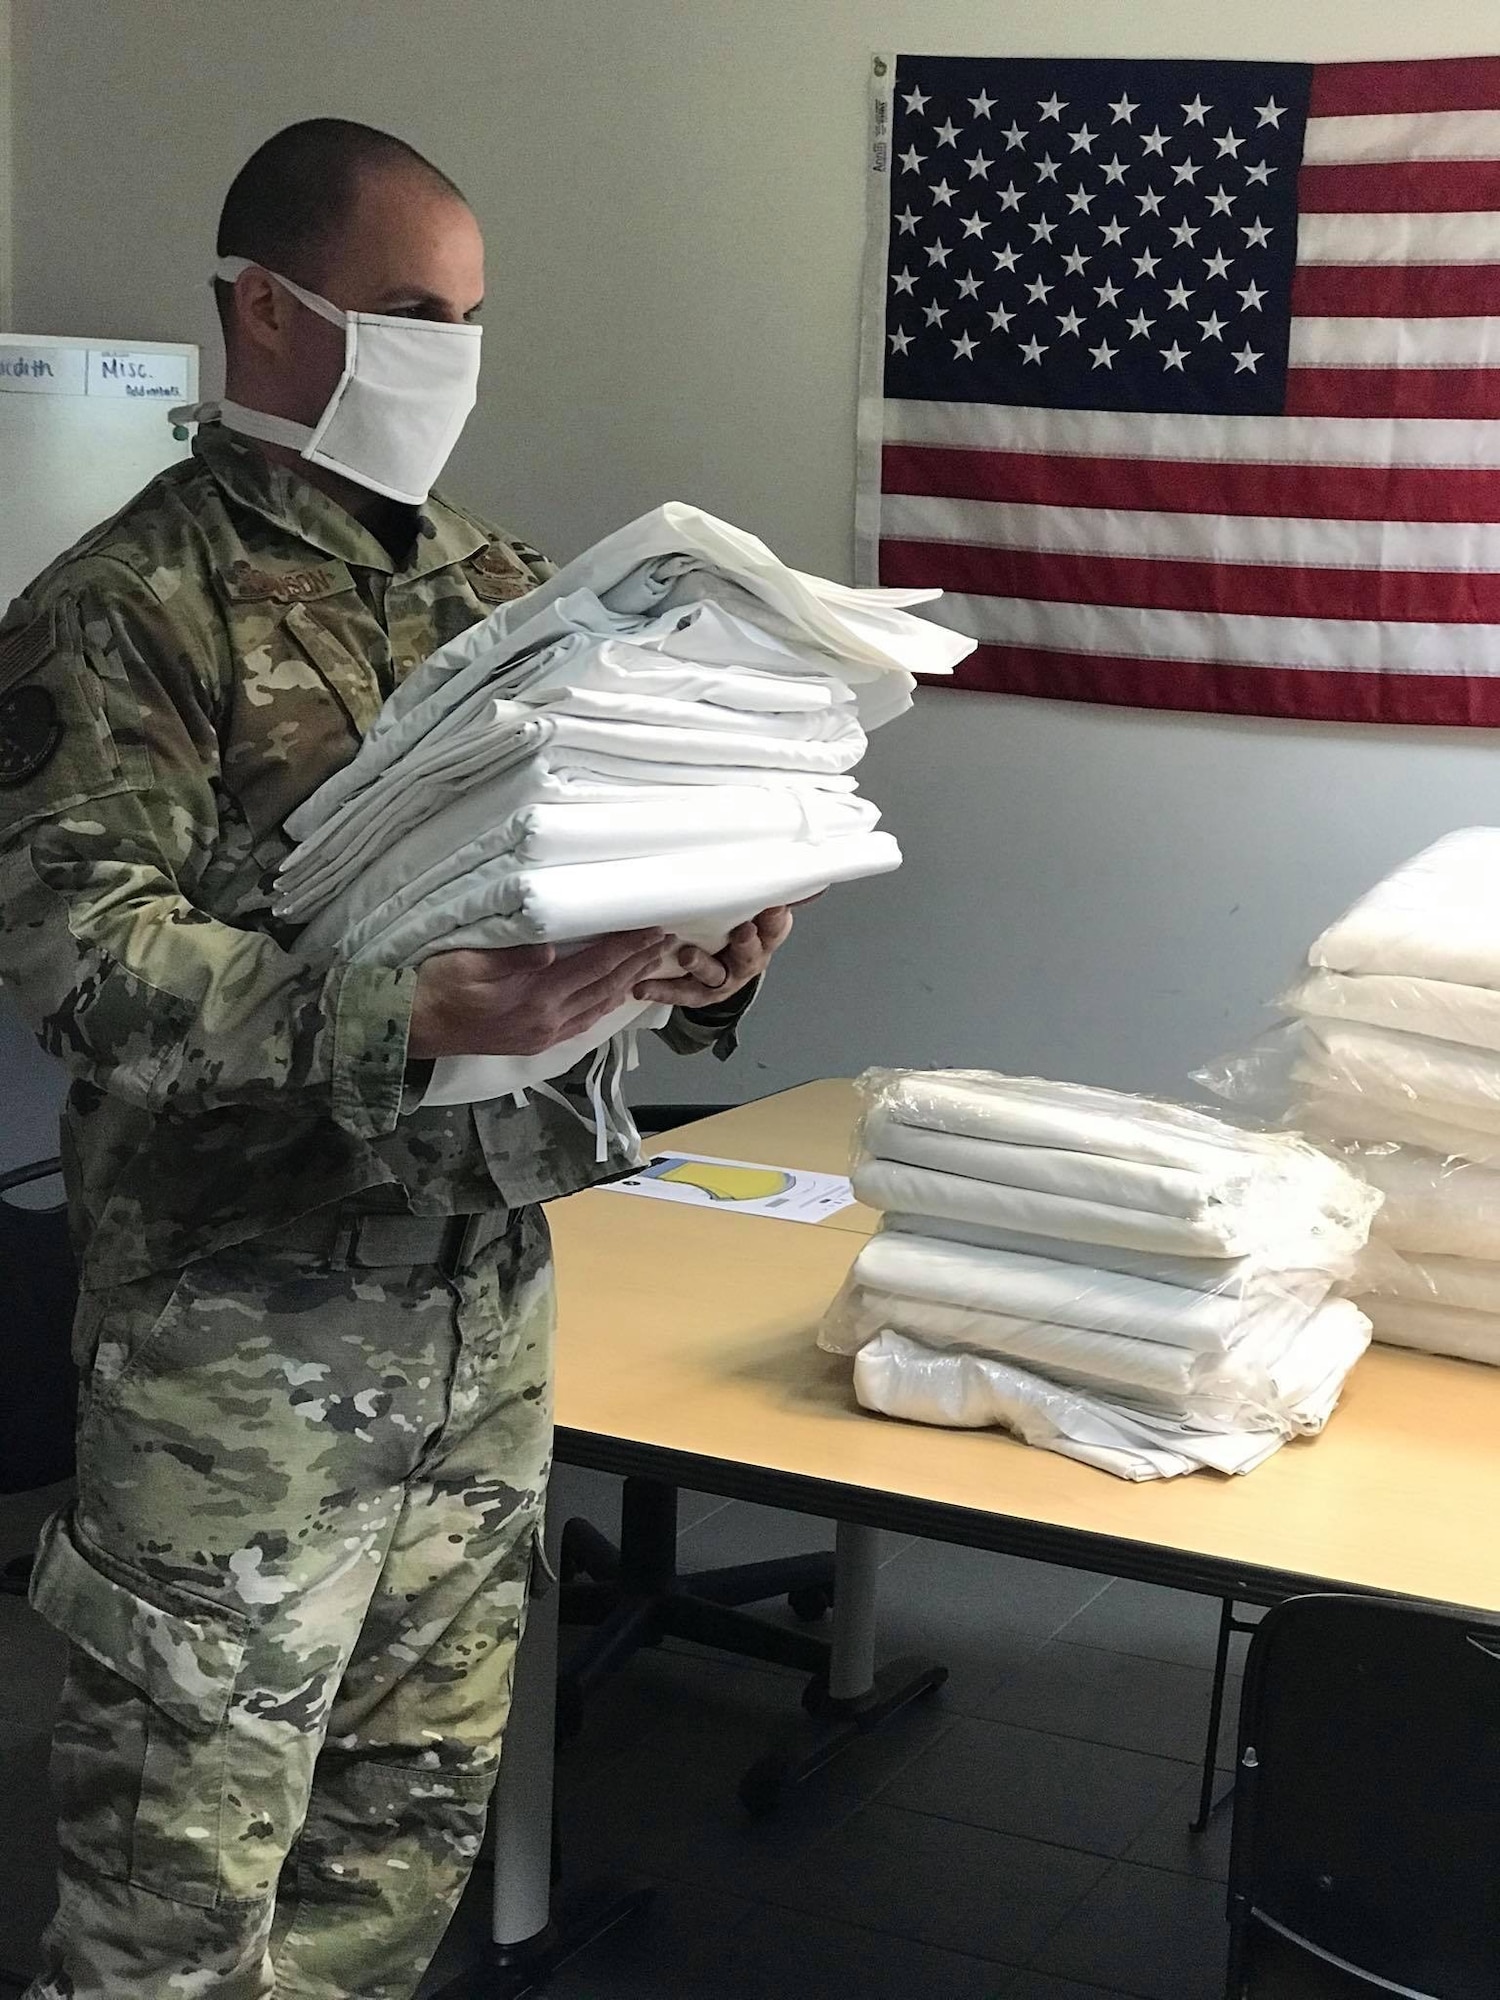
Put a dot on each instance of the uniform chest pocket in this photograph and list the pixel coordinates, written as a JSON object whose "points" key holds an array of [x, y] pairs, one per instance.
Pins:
{"points": [[305, 693]]}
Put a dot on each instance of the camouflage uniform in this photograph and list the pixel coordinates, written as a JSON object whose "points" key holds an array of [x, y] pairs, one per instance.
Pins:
{"points": [[315, 1321]]}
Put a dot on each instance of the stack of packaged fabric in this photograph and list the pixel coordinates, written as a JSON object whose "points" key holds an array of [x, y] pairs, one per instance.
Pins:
{"points": [[661, 735], [1128, 1282], [1399, 1054]]}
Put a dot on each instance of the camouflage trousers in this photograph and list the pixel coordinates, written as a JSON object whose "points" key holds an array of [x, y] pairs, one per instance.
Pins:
{"points": [[294, 1578]]}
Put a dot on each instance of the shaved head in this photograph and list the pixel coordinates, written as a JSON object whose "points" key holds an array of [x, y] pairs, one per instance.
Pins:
{"points": [[289, 204]]}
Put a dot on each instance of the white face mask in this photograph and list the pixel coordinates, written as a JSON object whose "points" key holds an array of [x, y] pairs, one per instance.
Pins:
{"points": [[396, 413]]}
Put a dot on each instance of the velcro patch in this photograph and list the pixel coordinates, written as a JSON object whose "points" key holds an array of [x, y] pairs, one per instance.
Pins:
{"points": [[24, 648], [30, 731]]}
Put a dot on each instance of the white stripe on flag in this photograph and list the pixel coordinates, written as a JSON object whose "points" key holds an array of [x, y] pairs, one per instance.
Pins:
{"points": [[1235, 440], [1466, 238], [1231, 538], [1342, 645], [1395, 343], [1404, 135]]}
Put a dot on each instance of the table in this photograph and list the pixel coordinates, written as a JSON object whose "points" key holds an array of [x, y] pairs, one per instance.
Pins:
{"points": [[687, 1353]]}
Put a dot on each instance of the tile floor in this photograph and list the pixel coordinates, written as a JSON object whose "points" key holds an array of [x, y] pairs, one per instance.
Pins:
{"points": [[1020, 1836]]}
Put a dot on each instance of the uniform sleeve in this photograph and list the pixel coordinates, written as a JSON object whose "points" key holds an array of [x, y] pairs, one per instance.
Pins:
{"points": [[109, 765], [688, 1031]]}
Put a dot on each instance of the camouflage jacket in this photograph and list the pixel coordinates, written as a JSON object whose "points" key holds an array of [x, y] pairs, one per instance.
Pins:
{"points": [[169, 691]]}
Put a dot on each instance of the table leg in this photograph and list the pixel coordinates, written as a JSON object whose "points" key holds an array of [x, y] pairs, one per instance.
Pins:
{"points": [[527, 1942], [857, 1695]]}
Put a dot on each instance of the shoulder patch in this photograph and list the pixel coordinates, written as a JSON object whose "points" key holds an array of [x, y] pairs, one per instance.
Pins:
{"points": [[30, 731], [24, 646], [497, 574]]}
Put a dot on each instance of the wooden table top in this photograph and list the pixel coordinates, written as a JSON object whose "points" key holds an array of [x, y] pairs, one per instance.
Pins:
{"points": [[690, 1334]]}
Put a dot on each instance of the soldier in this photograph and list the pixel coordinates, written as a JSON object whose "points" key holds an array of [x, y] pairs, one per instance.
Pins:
{"points": [[316, 1319]]}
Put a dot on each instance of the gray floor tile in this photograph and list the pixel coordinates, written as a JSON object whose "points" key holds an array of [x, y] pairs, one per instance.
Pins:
{"points": [[661, 1955], [1041, 1986], [1141, 1704], [779, 1953], [1145, 1931], [1090, 1796], [1169, 1842], [962, 1888], [974, 1611], [670, 1806], [1154, 1623]]}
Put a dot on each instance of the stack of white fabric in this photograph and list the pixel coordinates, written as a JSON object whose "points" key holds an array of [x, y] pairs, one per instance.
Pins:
{"points": [[1400, 1055], [663, 734], [1128, 1282]]}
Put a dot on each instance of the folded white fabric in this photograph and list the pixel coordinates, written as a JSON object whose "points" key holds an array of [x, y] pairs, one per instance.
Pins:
{"points": [[1470, 1283], [899, 1377], [960, 1274], [1259, 1385], [1438, 1008], [1437, 1080], [1435, 917], [1248, 1278], [1334, 1114], [1297, 1234], [698, 895], [1435, 1329], [1434, 1205]]}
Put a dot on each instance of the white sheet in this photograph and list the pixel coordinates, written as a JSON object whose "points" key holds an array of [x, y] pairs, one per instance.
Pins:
{"points": [[898, 1377], [475, 830], [1227, 1178], [1230, 1277], [1434, 1205], [638, 706], [1301, 1236], [1435, 917], [1435, 1329], [698, 896], [1470, 1283], [1342, 1115], [1440, 1080], [1071, 1117], [1037, 1288], [1434, 1007]]}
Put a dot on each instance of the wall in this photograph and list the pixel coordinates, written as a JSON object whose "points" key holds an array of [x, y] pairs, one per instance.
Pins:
{"points": [[673, 197]]}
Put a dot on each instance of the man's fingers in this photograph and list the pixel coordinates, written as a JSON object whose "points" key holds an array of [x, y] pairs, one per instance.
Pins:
{"points": [[614, 987], [599, 960], [695, 963]]}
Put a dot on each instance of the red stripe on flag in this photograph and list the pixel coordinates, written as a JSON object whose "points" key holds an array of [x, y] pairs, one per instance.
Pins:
{"points": [[1435, 700], [1187, 486], [1157, 583], [1456, 83], [1402, 187], [1393, 392], [1396, 291]]}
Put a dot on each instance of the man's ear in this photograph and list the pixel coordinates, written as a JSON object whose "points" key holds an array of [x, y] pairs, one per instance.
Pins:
{"points": [[259, 312]]}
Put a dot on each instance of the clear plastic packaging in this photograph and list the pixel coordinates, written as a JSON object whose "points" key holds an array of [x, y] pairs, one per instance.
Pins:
{"points": [[1130, 1255]]}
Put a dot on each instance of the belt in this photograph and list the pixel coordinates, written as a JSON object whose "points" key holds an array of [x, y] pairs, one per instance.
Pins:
{"points": [[350, 1240]]}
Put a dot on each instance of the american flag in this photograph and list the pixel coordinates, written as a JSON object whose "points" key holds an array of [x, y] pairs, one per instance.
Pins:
{"points": [[1183, 379]]}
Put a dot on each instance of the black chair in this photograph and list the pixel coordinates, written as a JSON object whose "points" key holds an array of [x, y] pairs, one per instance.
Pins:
{"points": [[633, 1596], [1366, 1855], [38, 1291]]}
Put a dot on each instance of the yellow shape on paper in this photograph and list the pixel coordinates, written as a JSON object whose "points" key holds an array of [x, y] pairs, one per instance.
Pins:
{"points": [[723, 1183]]}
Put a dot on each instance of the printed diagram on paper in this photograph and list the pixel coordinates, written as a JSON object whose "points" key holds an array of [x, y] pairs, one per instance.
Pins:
{"points": [[791, 1194]]}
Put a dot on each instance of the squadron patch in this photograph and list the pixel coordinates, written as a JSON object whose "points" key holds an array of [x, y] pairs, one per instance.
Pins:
{"points": [[30, 731]]}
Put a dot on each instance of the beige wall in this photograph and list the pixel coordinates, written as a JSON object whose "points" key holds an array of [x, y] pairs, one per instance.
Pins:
{"points": [[673, 196]]}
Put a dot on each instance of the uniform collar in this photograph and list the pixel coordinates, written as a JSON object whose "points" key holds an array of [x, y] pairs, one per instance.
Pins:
{"points": [[274, 492]]}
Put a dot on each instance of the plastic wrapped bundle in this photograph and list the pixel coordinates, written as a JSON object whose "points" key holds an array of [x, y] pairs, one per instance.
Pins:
{"points": [[1145, 1263], [1399, 1059]]}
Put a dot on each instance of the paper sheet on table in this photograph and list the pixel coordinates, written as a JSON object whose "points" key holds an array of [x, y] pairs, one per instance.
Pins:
{"points": [[789, 1194]]}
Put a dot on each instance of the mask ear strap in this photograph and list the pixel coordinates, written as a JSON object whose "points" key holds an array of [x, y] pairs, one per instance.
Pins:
{"points": [[229, 268]]}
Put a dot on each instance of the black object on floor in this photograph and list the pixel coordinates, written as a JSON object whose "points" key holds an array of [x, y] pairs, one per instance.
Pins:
{"points": [[633, 1596], [1367, 1806], [511, 1972]]}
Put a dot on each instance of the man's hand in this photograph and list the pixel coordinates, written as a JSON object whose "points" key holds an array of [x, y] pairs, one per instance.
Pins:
{"points": [[524, 999], [703, 979]]}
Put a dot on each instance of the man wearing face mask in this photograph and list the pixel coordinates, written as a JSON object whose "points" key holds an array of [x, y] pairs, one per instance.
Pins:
{"points": [[316, 1319]]}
